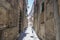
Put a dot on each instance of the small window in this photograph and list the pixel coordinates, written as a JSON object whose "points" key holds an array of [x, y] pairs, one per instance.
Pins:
{"points": [[42, 6]]}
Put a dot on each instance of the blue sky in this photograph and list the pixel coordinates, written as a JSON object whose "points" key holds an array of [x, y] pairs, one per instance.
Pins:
{"points": [[30, 2]]}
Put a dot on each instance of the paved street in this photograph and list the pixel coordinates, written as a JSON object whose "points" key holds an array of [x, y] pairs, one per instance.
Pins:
{"points": [[28, 34]]}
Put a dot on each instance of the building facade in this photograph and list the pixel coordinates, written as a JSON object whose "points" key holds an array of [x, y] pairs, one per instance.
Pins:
{"points": [[46, 19], [11, 18], [30, 20], [25, 14]]}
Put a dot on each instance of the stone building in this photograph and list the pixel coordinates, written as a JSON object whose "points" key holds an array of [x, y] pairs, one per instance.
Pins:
{"points": [[46, 19], [21, 15], [30, 15], [11, 12], [25, 14]]}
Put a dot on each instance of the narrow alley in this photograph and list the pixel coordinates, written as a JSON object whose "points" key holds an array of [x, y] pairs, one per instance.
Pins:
{"points": [[29, 19], [28, 34]]}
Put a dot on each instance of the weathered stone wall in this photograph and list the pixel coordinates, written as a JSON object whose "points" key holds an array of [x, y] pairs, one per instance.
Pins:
{"points": [[59, 6], [42, 27], [41, 33], [50, 31], [39, 25], [21, 15], [50, 24], [10, 33], [35, 22], [46, 28], [3, 17], [25, 20], [9, 10], [35, 18]]}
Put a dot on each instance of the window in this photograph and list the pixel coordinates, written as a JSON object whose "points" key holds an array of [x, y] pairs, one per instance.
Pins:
{"points": [[42, 6]]}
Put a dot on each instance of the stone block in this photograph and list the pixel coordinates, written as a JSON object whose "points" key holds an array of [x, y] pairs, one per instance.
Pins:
{"points": [[50, 33], [9, 33]]}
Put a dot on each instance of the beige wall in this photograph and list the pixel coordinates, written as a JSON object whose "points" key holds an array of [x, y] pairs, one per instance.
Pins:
{"points": [[35, 22], [9, 19], [46, 28], [59, 6], [10, 33], [50, 24]]}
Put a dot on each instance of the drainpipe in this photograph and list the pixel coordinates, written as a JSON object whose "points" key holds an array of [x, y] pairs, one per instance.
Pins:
{"points": [[57, 19]]}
